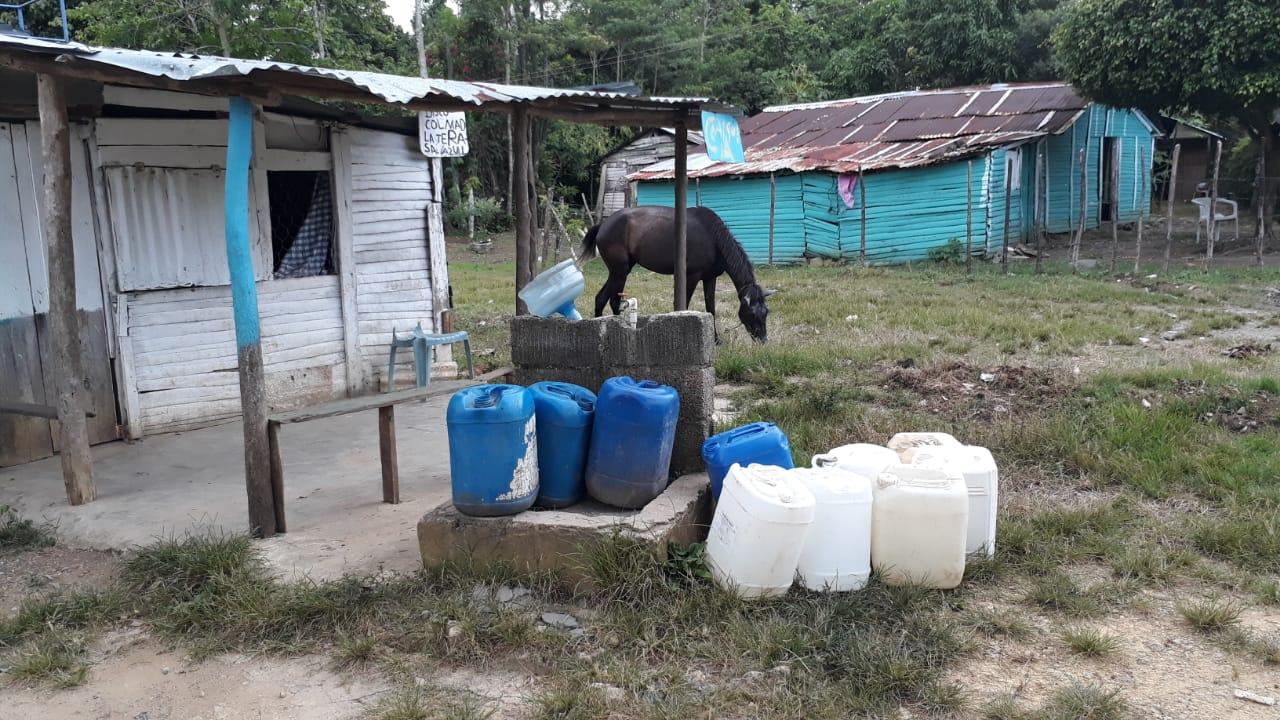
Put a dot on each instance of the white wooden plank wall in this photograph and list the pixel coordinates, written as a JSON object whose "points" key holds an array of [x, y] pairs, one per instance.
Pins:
{"points": [[184, 350], [390, 191]]}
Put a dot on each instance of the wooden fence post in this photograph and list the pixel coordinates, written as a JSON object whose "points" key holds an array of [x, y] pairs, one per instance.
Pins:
{"points": [[1144, 168], [1173, 182], [471, 214], [862, 219], [1260, 204], [1213, 207], [64, 322], [1115, 206], [968, 217], [1004, 232], [1084, 207], [1041, 205], [773, 202]]}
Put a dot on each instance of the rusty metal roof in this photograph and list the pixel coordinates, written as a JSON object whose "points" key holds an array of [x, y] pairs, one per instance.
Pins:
{"points": [[894, 130], [206, 73]]}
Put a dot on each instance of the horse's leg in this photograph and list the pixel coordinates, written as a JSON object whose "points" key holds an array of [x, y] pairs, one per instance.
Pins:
{"points": [[608, 294], [709, 301], [615, 299]]}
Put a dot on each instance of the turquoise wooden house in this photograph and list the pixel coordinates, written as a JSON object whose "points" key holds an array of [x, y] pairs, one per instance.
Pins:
{"points": [[891, 177]]}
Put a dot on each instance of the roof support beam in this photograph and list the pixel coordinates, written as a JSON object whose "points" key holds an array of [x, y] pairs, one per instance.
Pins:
{"points": [[64, 322], [244, 305], [682, 215]]}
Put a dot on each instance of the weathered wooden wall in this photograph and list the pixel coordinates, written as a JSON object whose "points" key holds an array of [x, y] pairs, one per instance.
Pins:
{"points": [[651, 147]]}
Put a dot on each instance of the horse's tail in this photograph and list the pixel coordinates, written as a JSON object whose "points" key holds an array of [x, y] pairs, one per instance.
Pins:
{"points": [[588, 249]]}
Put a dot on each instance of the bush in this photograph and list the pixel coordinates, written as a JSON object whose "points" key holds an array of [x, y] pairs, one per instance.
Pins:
{"points": [[491, 216], [950, 254]]}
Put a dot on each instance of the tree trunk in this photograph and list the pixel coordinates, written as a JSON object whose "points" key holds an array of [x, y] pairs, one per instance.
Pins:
{"points": [[317, 15]]}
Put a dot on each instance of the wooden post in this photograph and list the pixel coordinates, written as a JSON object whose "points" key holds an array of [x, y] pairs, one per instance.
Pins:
{"points": [[64, 323], [534, 233], [1115, 206], [471, 214], [1260, 203], [1004, 231], [968, 217], [591, 218], [387, 451], [545, 233], [244, 303], [682, 191], [277, 474], [1213, 207], [1084, 206], [773, 204], [697, 192], [1173, 183], [862, 218], [1143, 169], [520, 198], [1041, 206]]}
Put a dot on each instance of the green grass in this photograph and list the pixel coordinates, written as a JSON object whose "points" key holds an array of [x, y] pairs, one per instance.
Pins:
{"points": [[1089, 641], [1211, 615], [1084, 702], [54, 658], [418, 702], [21, 533]]}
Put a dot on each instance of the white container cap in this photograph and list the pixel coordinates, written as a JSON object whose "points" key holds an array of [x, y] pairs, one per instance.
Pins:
{"points": [[771, 493]]}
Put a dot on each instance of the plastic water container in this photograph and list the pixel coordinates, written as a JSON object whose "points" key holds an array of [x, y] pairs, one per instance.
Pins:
{"points": [[860, 458], [837, 551], [982, 479], [762, 443], [906, 443], [565, 413], [493, 450], [553, 291], [919, 520], [759, 529], [631, 440]]}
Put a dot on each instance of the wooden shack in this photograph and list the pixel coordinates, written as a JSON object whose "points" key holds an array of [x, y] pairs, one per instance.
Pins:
{"points": [[649, 147], [331, 191]]}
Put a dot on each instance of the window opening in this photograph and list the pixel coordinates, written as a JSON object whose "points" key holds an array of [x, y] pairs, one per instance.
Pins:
{"points": [[301, 223]]}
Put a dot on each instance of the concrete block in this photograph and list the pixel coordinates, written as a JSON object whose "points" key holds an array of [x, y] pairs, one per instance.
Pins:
{"points": [[555, 540], [588, 377], [556, 342], [676, 338]]}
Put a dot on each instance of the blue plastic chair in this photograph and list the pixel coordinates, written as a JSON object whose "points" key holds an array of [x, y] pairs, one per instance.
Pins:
{"points": [[422, 342]]}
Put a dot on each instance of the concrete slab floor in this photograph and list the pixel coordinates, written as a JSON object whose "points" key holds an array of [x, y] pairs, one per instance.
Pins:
{"points": [[172, 484]]}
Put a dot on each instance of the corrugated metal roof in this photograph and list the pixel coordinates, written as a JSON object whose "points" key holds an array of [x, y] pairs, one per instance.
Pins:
{"points": [[894, 130], [379, 87]]}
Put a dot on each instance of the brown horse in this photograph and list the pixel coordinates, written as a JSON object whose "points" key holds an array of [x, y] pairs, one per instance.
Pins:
{"points": [[645, 236]]}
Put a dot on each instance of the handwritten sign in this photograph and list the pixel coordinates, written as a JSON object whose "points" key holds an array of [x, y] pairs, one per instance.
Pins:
{"points": [[723, 138], [443, 134]]}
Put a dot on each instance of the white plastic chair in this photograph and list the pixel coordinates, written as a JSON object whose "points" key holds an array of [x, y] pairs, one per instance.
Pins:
{"points": [[1203, 204]]}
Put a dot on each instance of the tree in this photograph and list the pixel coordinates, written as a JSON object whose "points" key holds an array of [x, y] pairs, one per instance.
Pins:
{"points": [[1220, 58]]}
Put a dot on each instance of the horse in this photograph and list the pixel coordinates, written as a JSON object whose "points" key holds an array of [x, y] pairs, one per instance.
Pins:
{"points": [[645, 236]]}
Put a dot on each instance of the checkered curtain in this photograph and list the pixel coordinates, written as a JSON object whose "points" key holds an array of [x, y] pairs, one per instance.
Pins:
{"points": [[308, 256]]}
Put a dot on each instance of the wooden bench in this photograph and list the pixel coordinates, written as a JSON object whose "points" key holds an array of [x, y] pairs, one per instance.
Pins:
{"points": [[33, 410], [385, 404]]}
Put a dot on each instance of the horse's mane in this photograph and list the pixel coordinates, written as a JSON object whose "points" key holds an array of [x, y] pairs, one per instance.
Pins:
{"points": [[736, 263]]}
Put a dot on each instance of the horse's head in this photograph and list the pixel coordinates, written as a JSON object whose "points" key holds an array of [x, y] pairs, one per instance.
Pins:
{"points": [[753, 311]]}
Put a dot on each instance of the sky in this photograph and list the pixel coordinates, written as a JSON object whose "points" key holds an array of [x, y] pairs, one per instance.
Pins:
{"points": [[401, 11]]}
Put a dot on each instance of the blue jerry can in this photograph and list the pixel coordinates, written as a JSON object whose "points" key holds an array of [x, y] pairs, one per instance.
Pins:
{"points": [[493, 450], [762, 443], [565, 412], [631, 440]]}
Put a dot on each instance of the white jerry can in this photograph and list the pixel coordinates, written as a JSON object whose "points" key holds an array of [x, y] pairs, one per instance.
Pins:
{"points": [[758, 530], [906, 443], [919, 522], [837, 551], [860, 458], [982, 479]]}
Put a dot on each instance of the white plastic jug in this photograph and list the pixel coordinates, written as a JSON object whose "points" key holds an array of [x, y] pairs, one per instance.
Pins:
{"points": [[837, 551], [918, 525], [758, 530], [906, 443], [982, 478], [861, 458]]}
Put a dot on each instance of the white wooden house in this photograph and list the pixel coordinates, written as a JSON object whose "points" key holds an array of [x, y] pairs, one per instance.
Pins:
{"points": [[152, 280]]}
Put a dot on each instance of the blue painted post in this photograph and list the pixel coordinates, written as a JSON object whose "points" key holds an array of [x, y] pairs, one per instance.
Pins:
{"points": [[265, 505]]}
